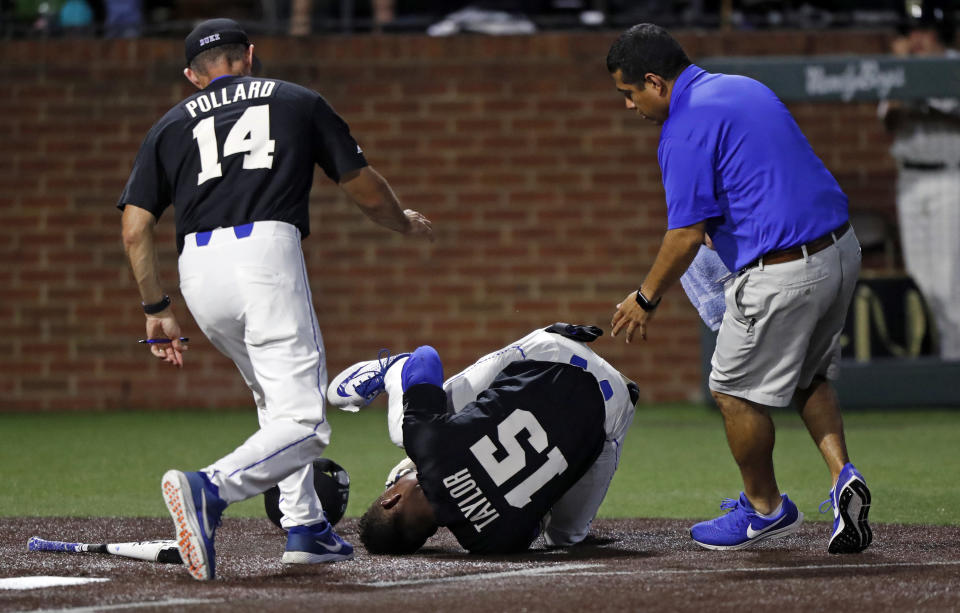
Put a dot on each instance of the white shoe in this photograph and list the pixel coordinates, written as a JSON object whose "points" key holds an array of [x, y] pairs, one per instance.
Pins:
{"points": [[358, 385]]}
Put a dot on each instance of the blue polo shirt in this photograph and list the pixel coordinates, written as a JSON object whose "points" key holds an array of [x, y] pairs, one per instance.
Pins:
{"points": [[731, 154]]}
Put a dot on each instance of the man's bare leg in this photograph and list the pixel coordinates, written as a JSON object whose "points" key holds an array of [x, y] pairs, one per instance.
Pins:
{"points": [[751, 435], [820, 412]]}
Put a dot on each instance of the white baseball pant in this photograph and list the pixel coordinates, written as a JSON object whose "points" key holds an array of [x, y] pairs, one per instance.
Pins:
{"points": [[247, 289], [928, 207]]}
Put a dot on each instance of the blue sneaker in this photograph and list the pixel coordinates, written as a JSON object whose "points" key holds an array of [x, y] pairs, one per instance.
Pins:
{"points": [[424, 366], [196, 507], [742, 527], [357, 386], [850, 499], [316, 543]]}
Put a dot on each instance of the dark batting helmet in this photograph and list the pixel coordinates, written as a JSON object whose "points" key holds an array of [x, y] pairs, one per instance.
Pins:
{"points": [[333, 488]]}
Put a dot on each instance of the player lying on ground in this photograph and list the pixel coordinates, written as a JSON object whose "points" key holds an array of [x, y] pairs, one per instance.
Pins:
{"points": [[524, 441]]}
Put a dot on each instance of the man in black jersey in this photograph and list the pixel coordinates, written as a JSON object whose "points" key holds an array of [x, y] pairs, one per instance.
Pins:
{"points": [[236, 159], [524, 441]]}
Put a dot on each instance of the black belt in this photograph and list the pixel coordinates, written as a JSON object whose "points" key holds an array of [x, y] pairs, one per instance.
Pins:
{"points": [[795, 253], [923, 165]]}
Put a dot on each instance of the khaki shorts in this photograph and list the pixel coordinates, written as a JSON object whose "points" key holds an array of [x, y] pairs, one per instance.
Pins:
{"points": [[782, 324]]}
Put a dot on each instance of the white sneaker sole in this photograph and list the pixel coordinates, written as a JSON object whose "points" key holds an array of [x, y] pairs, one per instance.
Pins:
{"points": [[305, 557], [184, 514], [352, 402], [773, 534]]}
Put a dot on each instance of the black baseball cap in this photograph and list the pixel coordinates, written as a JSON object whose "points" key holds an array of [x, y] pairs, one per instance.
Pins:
{"points": [[936, 15], [213, 33]]}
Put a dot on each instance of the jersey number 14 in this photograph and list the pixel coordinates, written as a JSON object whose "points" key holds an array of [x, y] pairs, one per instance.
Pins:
{"points": [[516, 459], [250, 135]]}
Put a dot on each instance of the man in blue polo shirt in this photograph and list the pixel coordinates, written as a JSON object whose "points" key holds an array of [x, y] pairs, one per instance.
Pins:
{"points": [[738, 172]]}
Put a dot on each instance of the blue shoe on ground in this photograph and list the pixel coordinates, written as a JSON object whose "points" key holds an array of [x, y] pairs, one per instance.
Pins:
{"points": [[195, 506], [850, 499], [314, 544], [742, 527], [357, 386], [424, 366]]}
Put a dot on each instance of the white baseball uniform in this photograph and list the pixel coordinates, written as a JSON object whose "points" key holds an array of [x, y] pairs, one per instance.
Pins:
{"points": [[928, 208], [252, 299]]}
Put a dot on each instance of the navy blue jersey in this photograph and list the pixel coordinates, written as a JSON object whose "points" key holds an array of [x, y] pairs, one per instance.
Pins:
{"points": [[493, 470], [241, 150]]}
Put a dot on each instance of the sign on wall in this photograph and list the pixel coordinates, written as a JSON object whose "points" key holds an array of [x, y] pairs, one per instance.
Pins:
{"points": [[847, 78]]}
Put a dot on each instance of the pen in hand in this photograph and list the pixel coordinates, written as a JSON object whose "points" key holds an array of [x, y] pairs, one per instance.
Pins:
{"points": [[160, 341]]}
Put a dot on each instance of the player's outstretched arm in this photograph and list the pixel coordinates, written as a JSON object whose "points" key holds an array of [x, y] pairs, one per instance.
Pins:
{"points": [[138, 242], [373, 195]]}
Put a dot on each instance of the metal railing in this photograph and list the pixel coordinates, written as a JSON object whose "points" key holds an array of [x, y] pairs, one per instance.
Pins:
{"points": [[346, 17]]}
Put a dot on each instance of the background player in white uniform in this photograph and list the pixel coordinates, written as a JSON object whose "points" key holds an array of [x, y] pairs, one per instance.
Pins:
{"points": [[926, 146], [237, 161], [525, 374]]}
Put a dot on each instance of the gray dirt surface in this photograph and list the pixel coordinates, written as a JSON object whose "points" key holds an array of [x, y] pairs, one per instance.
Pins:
{"points": [[625, 565]]}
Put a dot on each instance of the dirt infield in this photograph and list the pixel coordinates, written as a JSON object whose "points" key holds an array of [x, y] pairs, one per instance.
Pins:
{"points": [[627, 565]]}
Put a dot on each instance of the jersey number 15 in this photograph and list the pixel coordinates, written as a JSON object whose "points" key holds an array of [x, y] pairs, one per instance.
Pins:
{"points": [[516, 459], [250, 135]]}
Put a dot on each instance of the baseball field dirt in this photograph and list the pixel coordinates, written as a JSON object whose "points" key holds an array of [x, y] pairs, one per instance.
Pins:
{"points": [[626, 565]]}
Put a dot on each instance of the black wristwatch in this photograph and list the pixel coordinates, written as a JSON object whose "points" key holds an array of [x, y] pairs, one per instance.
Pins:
{"points": [[155, 307], [645, 304]]}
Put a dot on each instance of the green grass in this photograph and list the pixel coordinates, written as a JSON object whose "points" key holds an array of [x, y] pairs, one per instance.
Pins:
{"points": [[675, 462]]}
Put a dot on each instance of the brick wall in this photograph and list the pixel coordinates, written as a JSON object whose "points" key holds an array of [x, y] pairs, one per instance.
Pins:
{"points": [[543, 190]]}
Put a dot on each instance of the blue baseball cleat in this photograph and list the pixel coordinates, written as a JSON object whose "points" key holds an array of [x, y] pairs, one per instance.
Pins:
{"points": [[424, 366], [314, 544], [357, 386], [195, 506], [850, 499], [742, 527]]}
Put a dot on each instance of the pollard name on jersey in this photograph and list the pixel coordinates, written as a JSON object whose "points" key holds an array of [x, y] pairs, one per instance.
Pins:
{"points": [[470, 499], [244, 91]]}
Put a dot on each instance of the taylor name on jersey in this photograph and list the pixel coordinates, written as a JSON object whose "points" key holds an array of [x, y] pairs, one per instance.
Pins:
{"points": [[470, 499]]}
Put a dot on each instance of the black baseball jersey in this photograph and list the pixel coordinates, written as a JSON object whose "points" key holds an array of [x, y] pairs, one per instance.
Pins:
{"points": [[493, 470], [240, 150]]}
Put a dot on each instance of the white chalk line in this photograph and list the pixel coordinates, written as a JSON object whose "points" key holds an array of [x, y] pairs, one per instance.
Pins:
{"points": [[583, 570], [175, 602], [764, 569], [523, 572], [37, 582]]}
